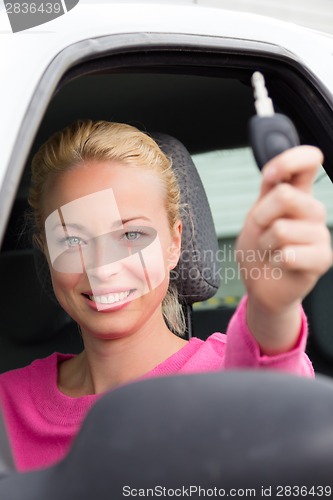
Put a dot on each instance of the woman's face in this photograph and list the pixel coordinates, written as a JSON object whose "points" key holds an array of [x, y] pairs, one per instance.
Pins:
{"points": [[109, 246]]}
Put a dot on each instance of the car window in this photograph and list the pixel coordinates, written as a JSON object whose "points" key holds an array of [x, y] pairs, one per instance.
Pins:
{"points": [[205, 100], [232, 182]]}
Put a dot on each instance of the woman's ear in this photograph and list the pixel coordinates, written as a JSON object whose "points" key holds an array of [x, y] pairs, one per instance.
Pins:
{"points": [[175, 249]]}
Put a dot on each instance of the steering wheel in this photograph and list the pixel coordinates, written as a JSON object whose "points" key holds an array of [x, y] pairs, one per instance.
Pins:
{"points": [[224, 430]]}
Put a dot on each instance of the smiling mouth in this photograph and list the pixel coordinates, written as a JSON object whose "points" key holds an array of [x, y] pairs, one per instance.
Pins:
{"points": [[110, 298]]}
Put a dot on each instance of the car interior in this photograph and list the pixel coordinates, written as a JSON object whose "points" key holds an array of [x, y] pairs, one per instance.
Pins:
{"points": [[203, 99], [198, 238]]}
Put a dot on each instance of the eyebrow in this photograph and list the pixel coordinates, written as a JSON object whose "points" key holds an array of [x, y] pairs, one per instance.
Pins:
{"points": [[119, 222], [68, 224], [124, 221]]}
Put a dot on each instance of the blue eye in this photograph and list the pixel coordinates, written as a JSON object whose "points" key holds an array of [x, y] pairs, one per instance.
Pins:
{"points": [[74, 241], [132, 235]]}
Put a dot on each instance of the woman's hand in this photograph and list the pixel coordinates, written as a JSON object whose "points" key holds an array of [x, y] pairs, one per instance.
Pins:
{"points": [[284, 248]]}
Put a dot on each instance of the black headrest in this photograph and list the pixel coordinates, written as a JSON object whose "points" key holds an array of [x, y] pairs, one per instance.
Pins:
{"points": [[223, 430], [197, 273]]}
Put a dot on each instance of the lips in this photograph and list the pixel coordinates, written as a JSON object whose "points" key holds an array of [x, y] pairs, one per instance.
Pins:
{"points": [[103, 298], [109, 298]]}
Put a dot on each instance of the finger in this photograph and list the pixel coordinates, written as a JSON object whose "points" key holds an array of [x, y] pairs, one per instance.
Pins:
{"points": [[297, 166], [285, 201], [284, 232], [314, 259]]}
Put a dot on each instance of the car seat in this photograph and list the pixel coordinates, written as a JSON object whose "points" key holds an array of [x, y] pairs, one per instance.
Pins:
{"points": [[318, 308], [33, 325]]}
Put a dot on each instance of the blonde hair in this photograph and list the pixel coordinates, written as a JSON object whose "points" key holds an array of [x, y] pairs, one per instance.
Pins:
{"points": [[88, 140]]}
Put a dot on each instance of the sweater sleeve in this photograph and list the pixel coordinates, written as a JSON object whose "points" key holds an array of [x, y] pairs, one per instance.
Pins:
{"points": [[242, 350]]}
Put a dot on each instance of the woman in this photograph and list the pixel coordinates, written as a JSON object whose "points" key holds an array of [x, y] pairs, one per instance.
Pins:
{"points": [[106, 207]]}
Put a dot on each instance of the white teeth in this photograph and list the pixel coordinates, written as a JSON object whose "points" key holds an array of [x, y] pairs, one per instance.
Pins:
{"points": [[110, 298]]}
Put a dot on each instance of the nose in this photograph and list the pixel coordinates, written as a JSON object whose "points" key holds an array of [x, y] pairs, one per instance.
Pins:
{"points": [[103, 258], [103, 273]]}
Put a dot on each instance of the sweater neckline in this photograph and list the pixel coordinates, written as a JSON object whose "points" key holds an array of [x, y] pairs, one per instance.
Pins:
{"points": [[59, 408]]}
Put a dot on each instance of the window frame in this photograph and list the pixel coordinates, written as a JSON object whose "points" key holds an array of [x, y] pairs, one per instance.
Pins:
{"points": [[87, 56]]}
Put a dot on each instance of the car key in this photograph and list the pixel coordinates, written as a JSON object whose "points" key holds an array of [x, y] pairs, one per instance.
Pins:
{"points": [[270, 133]]}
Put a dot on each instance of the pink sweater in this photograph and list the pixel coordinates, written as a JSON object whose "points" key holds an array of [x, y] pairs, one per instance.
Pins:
{"points": [[42, 421]]}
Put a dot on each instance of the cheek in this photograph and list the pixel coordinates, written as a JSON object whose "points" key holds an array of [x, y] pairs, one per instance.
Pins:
{"points": [[156, 262], [150, 265], [64, 282]]}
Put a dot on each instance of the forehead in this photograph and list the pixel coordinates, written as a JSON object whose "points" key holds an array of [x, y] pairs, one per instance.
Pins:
{"points": [[94, 185], [90, 212]]}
